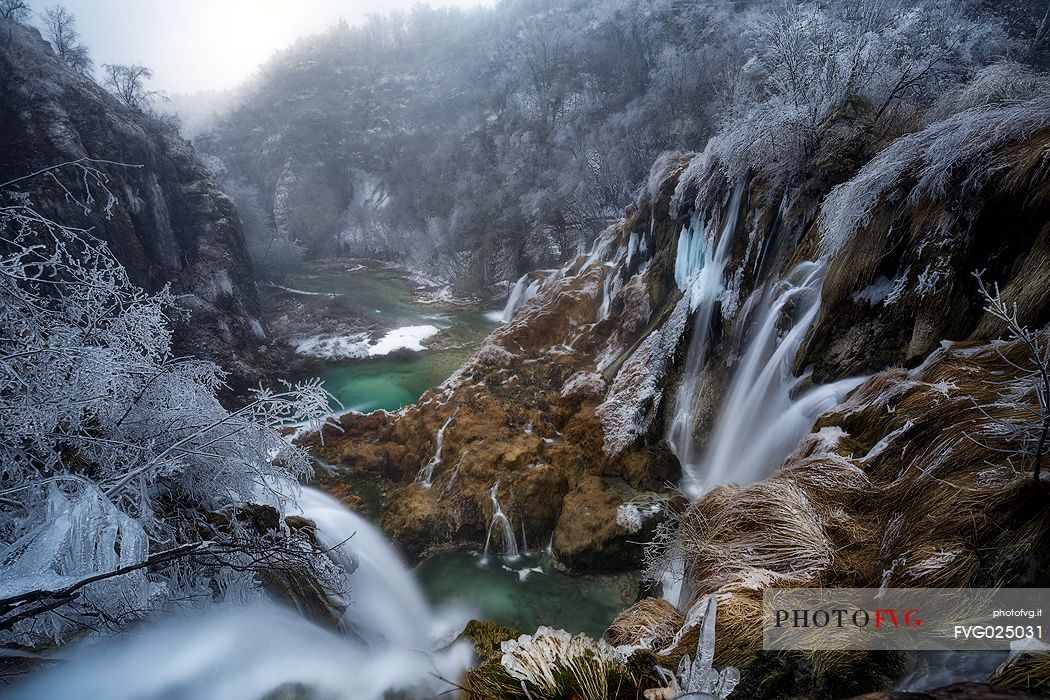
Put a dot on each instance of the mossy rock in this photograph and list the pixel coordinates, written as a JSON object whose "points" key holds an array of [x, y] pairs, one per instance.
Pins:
{"points": [[486, 636]]}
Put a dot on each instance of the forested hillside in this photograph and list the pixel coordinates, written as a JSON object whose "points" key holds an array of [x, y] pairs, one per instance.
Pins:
{"points": [[775, 315]]}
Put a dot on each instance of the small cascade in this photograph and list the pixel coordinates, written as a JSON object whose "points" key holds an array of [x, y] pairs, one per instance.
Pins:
{"points": [[520, 294], [603, 310], [501, 523], [703, 281], [426, 474], [767, 409], [632, 246]]}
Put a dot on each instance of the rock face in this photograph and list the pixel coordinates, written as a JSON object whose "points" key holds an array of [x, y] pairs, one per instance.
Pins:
{"points": [[160, 213], [912, 482], [566, 405], [967, 194]]}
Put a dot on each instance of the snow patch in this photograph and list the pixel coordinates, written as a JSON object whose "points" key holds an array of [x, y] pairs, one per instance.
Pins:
{"points": [[634, 399], [359, 345]]}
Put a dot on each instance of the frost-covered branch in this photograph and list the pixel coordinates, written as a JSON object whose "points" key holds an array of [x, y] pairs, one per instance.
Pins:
{"points": [[115, 455], [1038, 346]]}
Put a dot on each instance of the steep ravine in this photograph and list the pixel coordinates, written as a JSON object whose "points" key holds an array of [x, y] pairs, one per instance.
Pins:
{"points": [[567, 409]]}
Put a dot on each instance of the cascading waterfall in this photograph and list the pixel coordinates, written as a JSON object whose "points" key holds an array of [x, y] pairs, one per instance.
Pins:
{"points": [[702, 280], [767, 409], [522, 291], [603, 310], [247, 652], [502, 523], [426, 474], [386, 604]]}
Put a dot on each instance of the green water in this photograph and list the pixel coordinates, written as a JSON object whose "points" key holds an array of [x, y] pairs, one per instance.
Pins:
{"points": [[506, 592], [496, 591], [390, 383], [386, 296], [365, 291]]}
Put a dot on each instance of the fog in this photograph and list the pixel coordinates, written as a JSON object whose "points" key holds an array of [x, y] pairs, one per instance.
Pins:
{"points": [[197, 45]]}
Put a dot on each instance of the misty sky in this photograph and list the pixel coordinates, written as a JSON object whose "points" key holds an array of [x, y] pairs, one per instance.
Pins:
{"points": [[196, 45]]}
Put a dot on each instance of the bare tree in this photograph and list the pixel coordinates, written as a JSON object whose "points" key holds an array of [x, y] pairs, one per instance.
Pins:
{"points": [[17, 10], [60, 28], [1044, 27], [128, 83]]}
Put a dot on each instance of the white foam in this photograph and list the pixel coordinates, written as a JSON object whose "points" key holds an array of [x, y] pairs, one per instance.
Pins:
{"points": [[359, 345], [406, 338]]}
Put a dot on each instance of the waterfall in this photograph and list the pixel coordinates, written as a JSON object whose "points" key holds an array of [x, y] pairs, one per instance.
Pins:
{"points": [[426, 474], [767, 410], [501, 522], [245, 652], [521, 293], [387, 605], [702, 280], [603, 310]]}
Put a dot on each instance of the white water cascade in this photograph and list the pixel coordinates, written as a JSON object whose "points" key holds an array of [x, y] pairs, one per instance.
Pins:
{"points": [[426, 474], [699, 273], [501, 522], [244, 652], [767, 409], [523, 291]]}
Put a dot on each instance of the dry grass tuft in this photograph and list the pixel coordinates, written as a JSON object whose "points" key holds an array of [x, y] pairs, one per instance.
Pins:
{"points": [[651, 622], [1028, 671]]}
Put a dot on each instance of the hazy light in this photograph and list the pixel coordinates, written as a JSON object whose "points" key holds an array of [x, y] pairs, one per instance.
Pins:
{"points": [[196, 45]]}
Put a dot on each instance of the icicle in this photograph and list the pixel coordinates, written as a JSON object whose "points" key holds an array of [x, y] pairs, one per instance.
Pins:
{"points": [[699, 676], [703, 282]]}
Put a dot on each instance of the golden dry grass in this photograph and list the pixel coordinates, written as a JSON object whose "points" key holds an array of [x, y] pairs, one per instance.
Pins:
{"points": [[652, 621], [1028, 671]]}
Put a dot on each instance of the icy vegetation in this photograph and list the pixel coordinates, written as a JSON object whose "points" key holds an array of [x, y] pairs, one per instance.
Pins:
{"points": [[963, 142], [104, 431], [702, 191], [397, 642], [537, 659]]}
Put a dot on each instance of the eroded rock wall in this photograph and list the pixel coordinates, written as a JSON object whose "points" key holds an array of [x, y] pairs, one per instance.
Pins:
{"points": [[156, 206]]}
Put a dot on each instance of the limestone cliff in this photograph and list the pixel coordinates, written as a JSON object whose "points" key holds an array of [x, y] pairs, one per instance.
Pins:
{"points": [[155, 205]]}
